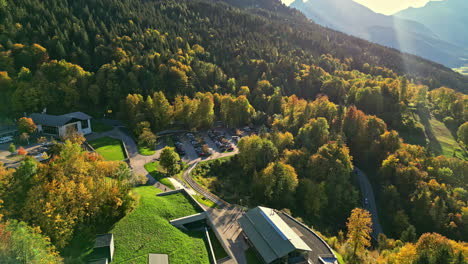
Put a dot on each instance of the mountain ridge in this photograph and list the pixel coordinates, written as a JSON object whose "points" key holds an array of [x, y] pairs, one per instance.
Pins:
{"points": [[406, 35], [447, 19]]}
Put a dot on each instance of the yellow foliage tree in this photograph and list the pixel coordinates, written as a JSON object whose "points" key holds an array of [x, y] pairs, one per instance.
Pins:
{"points": [[359, 230]]}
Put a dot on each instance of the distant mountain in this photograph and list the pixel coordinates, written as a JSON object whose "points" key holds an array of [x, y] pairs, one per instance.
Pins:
{"points": [[448, 19], [406, 35]]}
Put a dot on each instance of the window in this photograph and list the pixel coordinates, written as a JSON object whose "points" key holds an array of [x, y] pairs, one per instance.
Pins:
{"points": [[50, 130], [84, 124]]}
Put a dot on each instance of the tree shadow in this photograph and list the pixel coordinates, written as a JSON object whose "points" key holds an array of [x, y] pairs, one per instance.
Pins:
{"points": [[434, 144], [80, 247]]}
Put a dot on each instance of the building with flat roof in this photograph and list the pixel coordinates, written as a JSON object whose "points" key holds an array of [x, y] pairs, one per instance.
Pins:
{"points": [[61, 125], [272, 238]]}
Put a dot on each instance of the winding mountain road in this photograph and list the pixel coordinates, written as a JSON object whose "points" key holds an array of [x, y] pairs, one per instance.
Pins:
{"points": [[368, 201]]}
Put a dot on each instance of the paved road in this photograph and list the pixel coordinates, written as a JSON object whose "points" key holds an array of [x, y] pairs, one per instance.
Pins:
{"points": [[371, 206], [320, 248]]}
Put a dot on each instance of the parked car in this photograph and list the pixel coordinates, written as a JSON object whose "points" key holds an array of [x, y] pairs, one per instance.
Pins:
{"points": [[6, 139]]}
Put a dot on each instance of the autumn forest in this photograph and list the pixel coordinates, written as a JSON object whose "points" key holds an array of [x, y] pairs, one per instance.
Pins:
{"points": [[323, 102]]}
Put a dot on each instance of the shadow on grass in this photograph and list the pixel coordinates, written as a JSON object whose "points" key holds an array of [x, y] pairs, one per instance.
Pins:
{"points": [[104, 141], [80, 248], [218, 249], [153, 170], [252, 257], [434, 144]]}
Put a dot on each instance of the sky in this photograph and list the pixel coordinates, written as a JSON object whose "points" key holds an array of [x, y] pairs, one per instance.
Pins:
{"points": [[387, 7]]}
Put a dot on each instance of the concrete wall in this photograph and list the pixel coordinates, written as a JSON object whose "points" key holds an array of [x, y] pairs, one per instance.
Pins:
{"points": [[112, 249], [180, 222]]}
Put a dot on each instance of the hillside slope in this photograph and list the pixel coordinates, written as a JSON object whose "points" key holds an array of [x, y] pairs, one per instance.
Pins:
{"points": [[447, 19], [83, 32]]}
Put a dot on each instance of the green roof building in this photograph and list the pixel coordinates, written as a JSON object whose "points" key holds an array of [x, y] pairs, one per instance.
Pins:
{"points": [[272, 238]]}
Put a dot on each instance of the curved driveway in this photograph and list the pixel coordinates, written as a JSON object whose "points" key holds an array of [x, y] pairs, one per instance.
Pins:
{"points": [[137, 161]]}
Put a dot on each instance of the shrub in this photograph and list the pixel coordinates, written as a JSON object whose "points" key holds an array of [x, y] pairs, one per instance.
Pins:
{"points": [[22, 151], [12, 148]]}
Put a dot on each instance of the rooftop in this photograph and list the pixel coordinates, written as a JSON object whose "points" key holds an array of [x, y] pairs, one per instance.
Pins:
{"points": [[321, 252], [103, 240], [58, 120], [271, 236]]}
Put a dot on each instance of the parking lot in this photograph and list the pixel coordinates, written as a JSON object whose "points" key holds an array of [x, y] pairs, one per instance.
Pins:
{"points": [[37, 151], [213, 143]]}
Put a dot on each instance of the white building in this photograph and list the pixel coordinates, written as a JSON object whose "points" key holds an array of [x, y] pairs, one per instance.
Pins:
{"points": [[61, 125]]}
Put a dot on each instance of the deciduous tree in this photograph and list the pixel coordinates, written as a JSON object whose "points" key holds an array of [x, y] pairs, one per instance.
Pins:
{"points": [[169, 160], [276, 184], [26, 125], [462, 134], [313, 134], [359, 229], [20, 243], [22, 151]]}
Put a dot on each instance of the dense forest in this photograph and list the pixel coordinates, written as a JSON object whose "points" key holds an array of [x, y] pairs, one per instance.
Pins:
{"points": [[324, 101], [121, 47]]}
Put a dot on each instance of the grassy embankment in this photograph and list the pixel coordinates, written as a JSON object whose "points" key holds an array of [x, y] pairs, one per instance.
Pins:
{"points": [[441, 140], [147, 230], [158, 173]]}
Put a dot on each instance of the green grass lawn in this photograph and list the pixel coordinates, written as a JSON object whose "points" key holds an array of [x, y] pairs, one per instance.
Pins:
{"points": [[201, 199], [339, 257], [252, 257], [444, 142], [98, 126], [218, 249], [147, 230], [109, 148], [158, 173], [145, 151]]}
